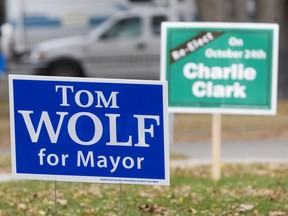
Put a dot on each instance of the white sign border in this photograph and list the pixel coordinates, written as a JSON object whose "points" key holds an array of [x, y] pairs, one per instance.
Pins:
{"points": [[223, 25], [91, 179]]}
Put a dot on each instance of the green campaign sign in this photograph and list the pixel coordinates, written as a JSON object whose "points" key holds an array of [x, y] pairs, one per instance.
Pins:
{"points": [[220, 67]]}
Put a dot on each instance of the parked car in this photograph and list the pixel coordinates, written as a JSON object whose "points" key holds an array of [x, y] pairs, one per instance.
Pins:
{"points": [[125, 46]]}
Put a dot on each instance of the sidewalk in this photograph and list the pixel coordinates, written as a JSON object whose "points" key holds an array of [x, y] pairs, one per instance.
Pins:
{"points": [[256, 151]]}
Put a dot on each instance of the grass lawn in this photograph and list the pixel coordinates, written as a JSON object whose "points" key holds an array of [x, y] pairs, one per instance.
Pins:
{"points": [[243, 190]]}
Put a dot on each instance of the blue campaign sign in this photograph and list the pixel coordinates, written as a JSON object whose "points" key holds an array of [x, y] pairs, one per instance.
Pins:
{"points": [[89, 130]]}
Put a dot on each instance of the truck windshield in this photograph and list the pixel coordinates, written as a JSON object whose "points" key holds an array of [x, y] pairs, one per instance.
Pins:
{"points": [[156, 24], [125, 28]]}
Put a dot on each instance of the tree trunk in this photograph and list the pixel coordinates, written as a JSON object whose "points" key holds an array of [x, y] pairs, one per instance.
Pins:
{"points": [[275, 11], [268, 11], [222, 10]]}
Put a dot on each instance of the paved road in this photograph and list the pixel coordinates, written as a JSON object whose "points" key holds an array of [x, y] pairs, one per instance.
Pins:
{"points": [[236, 151], [233, 151]]}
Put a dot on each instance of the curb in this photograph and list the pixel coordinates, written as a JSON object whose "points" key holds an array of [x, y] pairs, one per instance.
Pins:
{"points": [[4, 177]]}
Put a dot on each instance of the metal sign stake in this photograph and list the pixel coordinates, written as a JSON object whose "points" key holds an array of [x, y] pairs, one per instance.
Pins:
{"points": [[55, 198], [121, 203]]}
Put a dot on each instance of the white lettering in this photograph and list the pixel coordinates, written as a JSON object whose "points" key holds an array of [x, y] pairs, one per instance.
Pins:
{"points": [[64, 157], [98, 128], [41, 155], [81, 159], [102, 162], [224, 54], [139, 161], [114, 163], [64, 94], [44, 119], [112, 98], [110, 162], [142, 130], [235, 42], [189, 70], [234, 72], [51, 158], [113, 132], [126, 164], [208, 89], [89, 98], [198, 89]]}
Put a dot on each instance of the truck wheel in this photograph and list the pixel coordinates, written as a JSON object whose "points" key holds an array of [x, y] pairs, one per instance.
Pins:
{"points": [[65, 69]]}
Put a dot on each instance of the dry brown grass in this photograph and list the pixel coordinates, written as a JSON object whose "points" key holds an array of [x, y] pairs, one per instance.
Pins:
{"points": [[4, 124], [194, 127]]}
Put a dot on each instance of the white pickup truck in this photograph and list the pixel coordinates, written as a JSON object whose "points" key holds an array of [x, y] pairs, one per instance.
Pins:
{"points": [[125, 46]]}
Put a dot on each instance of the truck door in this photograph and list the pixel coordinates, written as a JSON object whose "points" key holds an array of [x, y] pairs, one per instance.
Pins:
{"points": [[120, 51], [152, 46]]}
